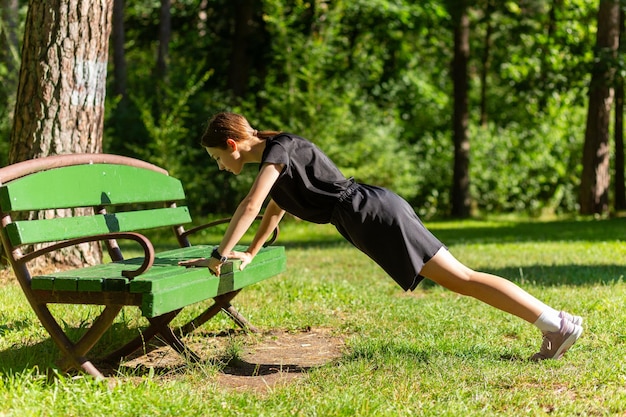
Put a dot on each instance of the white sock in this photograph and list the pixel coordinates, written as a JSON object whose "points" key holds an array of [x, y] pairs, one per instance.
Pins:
{"points": [[548, 321]]}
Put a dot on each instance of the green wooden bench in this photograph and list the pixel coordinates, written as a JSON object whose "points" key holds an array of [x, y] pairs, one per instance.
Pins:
{"points": [[109, 198]]}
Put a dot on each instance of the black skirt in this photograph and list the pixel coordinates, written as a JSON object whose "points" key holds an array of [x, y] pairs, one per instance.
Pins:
{"points": [[386, 228]]}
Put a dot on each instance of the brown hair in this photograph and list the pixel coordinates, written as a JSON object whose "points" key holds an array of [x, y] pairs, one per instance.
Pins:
{"points": [[224, 126]]}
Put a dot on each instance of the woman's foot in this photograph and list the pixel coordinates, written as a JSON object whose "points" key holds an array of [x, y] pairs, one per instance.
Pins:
{"points": [[555, 344]]}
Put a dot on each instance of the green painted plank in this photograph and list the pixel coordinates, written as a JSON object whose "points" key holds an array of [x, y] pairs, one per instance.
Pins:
{"points": [[66, 284], [181, 296], [90, 284], [115, 284], [49, 230], [239, 279], [167, 286], [153, 283], [162, 278], [173, 256], [88, 185], [188, 292], [42, 283]]}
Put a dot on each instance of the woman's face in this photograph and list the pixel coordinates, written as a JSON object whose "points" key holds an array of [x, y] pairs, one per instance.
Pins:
{"points": [[227, 159]]}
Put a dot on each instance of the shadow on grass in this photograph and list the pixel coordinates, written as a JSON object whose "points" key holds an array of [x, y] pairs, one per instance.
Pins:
{"points": [[534, 231], [469, 232], [44, 354], [555, 275], [155, 359]]}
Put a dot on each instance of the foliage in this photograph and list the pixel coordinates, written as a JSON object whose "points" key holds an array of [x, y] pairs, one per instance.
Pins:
{"points": [[9, 61], [369, 82], [528, 169]]}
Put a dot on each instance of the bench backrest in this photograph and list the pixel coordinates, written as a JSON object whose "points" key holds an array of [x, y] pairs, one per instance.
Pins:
{"points": [[112, 186]]}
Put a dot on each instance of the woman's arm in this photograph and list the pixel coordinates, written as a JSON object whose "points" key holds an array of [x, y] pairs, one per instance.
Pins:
{"points": [[250, 207], [271, 217]]}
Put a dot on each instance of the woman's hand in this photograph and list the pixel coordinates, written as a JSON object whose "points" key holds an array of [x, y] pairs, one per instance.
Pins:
{"points": [[245, 257], [195, 262], [212, 263]]}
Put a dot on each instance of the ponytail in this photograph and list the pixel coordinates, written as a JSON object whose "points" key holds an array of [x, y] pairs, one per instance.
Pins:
{"points": [[224, 126]]}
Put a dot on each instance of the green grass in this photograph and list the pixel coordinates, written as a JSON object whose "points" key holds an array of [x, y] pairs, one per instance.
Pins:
{"points": [[430, 352]]}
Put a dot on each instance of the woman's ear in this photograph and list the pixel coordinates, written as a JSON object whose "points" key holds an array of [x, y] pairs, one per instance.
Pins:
{"points": [[231, 144]]}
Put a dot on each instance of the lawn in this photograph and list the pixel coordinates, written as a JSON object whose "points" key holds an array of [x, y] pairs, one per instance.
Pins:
{"points": [[429, 352]]}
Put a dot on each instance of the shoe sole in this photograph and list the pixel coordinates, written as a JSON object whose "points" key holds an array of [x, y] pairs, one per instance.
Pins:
{"points": [[568, 343]]}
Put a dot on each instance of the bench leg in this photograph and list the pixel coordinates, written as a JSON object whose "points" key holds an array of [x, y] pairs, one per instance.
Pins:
{"points": [[221, 303], [66, 346], [156, 324], [93, 334], [178, 345]]}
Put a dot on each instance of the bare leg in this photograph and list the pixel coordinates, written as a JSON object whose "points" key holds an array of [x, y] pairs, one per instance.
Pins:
{"points": [[447, 271]]}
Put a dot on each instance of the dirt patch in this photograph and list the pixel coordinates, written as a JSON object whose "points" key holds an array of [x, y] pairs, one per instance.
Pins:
{"points": [[250, 362]]}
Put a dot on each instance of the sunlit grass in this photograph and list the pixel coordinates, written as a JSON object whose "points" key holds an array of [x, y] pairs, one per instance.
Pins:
{"points": [[430, 352]]}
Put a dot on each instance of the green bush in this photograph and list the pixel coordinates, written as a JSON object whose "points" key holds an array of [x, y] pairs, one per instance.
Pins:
{"points": [[515, 169]]}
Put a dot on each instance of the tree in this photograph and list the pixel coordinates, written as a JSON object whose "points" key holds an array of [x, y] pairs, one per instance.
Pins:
{"points": [[165, 34], [595, 180], [486, 61], [620, 183], [241, 58], [118, 37], [461, 201], [61, 91]]}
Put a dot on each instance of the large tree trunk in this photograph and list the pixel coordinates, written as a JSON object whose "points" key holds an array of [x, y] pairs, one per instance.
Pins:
{"points": [[461, 201], [240, 60], [595, 181], [60, 99], [165, 34], [486, 62], [118, 37], [620, 182]]}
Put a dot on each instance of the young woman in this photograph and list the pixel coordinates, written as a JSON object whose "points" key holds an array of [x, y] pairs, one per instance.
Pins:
{"points": [[302, 180]]}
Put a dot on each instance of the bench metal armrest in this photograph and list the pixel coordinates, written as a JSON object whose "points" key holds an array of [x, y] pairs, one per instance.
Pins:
{"points": [[227, 220], [145, 243]]}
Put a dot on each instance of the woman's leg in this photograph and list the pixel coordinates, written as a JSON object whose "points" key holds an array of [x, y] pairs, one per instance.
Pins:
{"points": [[447, 271], [560, 330]]}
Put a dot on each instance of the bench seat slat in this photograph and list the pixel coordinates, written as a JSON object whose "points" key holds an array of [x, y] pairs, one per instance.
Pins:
{"points": [[173, 297], [61, 228], [167, 286], [150, 282]]}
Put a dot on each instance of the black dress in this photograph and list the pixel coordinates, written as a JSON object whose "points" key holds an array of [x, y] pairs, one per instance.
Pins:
{"points": [[375, 220]]}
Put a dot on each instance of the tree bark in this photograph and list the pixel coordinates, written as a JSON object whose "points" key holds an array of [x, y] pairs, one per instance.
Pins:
{"points": [[240, 56], [486, 62], [118, 37], [165, 34], [61, 91], [620, 181], [595, 180], [461, 201]]}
